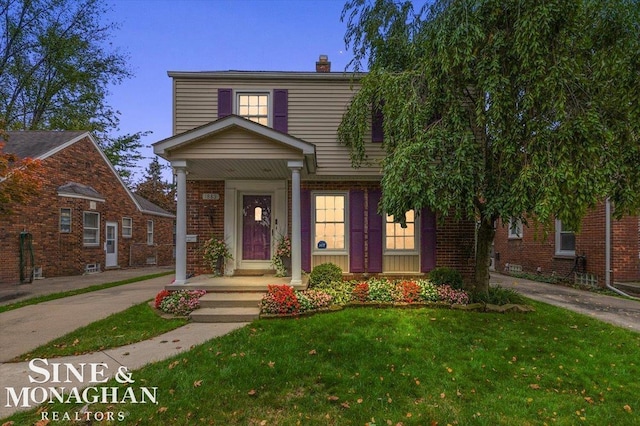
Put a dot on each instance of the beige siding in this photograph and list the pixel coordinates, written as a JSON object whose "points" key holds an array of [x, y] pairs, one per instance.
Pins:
{"points": [[236, 143], [342, 261], [401, 263], [315, 110]]}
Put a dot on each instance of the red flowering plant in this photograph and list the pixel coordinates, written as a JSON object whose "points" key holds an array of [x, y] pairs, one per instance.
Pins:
{"points": [[312, 300], [410, 291], [280, 299], [160, 297], [360, 292]]}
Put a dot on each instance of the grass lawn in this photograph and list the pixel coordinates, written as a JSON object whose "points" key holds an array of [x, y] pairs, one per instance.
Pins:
{"points": [[137, 323], [398, 366]]}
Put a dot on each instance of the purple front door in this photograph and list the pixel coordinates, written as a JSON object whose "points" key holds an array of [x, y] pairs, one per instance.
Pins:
{"points": [[256, 227]]}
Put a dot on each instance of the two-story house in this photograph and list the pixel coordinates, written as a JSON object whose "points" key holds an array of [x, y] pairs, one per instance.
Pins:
{"points": [[256, 156]]}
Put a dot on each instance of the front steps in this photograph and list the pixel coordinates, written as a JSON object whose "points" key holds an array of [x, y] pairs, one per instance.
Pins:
{"points": [[228, 307]]}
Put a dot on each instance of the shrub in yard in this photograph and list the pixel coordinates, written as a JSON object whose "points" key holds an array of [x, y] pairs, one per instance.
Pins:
{"points": [[410, 291], [360, 292], [428, 291], [311, 300], [381, 290], [280, 299], [444, 275], [340, 291], [325, 273], [181, 302], [160, 297], [448, 294]]}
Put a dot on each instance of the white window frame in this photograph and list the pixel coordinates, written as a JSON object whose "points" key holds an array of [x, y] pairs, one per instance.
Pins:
{"points": [[327, 251], [559, 232], [150, 232], [416, 242], [126, 227], [95, 230], [65, 230], [515, 225], [266, 93]]}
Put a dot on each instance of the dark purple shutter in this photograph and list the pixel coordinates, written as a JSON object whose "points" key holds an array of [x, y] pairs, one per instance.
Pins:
{"points": [[377, 132], [281, 110], [427, 240], [225, 102], [305, 229], [375, 233], [356, 231]]}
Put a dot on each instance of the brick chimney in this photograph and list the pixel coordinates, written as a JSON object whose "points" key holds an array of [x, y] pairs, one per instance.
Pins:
{"points": [[323, 64]]}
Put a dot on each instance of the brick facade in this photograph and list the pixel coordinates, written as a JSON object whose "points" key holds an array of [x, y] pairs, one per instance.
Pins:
{"points": [[60, 254], [535, 253]]}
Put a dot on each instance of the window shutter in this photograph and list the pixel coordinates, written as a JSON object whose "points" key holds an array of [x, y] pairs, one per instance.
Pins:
{"points": [[356, 231], [427, 240], [281, 110], [305, 229], [375, 232], [377, 119], [225, 102]]}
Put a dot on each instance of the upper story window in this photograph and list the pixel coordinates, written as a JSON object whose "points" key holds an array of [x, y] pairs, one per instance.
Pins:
{"points": [[515, 228], [399, 238], [330, 222], [254, 107], [91, 228], [565, 240]]}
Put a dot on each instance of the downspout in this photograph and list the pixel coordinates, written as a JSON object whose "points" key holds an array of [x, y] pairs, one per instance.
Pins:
{"points": [[607, 251]]}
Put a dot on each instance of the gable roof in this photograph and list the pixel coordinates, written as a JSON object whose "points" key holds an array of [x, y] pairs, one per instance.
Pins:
{"points": [[41, 144]]}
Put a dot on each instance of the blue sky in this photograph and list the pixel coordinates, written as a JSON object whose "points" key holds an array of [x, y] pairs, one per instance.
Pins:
{"points": [[212, 35]]}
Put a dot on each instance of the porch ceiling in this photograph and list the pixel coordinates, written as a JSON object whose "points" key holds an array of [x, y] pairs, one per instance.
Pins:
{"points": [[222, 169]]}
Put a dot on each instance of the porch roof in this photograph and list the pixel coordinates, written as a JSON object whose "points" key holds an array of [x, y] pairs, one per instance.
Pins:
{"points": [[236, 148]]}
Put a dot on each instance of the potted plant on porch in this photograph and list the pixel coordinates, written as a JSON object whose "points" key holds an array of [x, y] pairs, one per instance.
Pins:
{"points": [[281, 259], [216, 252]]}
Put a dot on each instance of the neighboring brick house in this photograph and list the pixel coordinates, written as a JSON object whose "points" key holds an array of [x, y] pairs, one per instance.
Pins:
{"points": [[83, 219], [256, 156], [564, 252]]}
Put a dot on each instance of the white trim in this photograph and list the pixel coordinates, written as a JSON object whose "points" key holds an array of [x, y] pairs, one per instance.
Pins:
{"points": [[519, 227], [130, 227], [97, 229], [257, 92], [81, 197], [558, 250], [402, 252]]}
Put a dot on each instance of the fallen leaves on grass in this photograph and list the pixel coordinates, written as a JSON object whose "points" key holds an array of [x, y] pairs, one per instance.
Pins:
{"points": [[197, 383]]}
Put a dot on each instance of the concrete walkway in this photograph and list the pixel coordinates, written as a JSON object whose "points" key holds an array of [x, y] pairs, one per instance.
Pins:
{"points": [[24, 329], [614, 310]]}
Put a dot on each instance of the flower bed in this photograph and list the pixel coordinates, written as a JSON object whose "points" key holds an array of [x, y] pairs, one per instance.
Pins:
{"points": [[181, 302], [283, 300]]}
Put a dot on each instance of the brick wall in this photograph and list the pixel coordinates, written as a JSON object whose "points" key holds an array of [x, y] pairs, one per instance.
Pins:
{"points": [[62, 254], [535, 252]]}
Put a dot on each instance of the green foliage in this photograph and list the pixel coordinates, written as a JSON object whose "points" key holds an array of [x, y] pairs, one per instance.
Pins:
{"points": [[498, 295], [154, 188], [381, 290], [445, 275], [499, 108], [340, 291], [325, 273]]}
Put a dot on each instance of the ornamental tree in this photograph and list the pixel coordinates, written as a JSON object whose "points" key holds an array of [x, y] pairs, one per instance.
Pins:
{"points": [[499, 108]]}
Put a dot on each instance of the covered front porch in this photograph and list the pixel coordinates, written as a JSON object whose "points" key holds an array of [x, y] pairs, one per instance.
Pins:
{"points": [[256, 283], [255, 172]]}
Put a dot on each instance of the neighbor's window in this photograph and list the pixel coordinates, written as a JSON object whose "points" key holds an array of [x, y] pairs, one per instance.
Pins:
{"points": [[515, 228], [65, 220], [127, 227], [254, 107], [399, 238], [565, 240], [150, 232], [91, 228], [329, 220]]}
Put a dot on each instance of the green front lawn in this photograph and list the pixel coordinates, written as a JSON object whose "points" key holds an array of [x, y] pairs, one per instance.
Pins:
{"points": [[398, 366]]}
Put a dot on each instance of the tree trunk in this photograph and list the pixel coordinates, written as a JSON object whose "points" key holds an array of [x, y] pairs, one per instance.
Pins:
{"points": [[485, 235]]}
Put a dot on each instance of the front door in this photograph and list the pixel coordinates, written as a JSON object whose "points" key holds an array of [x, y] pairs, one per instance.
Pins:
{"points": [[111, 244], [256, 227]]}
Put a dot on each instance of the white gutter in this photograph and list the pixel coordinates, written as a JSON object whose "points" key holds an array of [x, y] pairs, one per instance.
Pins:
{"points": [[607, 251]]}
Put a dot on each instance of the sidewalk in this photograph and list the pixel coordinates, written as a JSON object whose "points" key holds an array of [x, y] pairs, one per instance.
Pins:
{"points": [[614, 310], [24, 329]]}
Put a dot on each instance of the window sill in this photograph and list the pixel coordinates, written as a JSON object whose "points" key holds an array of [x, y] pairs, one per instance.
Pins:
{"points": [[565, 256], [514, 238]]}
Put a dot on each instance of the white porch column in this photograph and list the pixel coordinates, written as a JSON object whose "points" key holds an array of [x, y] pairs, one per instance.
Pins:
{"points": [[296, 234], [180, 168]]}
